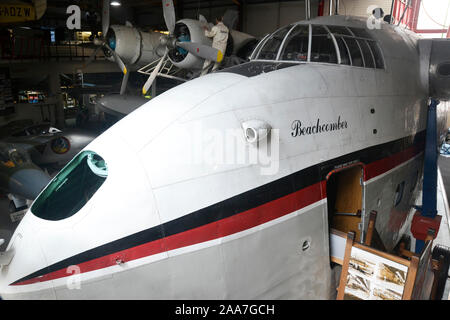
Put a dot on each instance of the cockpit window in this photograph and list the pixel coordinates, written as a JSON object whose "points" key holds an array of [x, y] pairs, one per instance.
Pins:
{"points": [[343, 49], [72, 188], [379, 62], [355, 52], [368, 57], [329, 44], [323, 49], [296, 46], [340, 30], [363, 50], [270, 49], [361, 33]]}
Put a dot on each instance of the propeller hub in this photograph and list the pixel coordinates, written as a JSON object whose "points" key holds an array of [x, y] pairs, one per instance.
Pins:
{"points": [[168, 41], [164, 39]]}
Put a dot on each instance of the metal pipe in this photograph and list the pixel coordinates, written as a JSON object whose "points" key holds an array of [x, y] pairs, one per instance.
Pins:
{"points": [[392, 11], [403, 15], [308, 9], [331, 7], [336, 7]]}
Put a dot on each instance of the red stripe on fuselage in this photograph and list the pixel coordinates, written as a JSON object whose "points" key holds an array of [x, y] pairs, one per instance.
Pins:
{"points": [[233, 224], [218, 229], [381, 166]]}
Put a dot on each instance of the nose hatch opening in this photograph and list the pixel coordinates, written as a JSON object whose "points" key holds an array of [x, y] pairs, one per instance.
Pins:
{"points": [[72, 188]]}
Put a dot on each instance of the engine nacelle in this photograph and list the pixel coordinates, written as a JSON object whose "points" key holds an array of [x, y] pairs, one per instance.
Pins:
{"points": [[133, 46], [188, 30], [435, 67]]}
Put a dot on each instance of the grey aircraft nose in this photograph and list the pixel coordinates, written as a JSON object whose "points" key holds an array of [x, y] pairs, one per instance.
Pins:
{"points": [[28, 183]]}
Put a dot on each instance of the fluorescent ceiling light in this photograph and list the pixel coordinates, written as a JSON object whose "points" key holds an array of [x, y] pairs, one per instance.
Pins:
{"points": [[115, 3]]}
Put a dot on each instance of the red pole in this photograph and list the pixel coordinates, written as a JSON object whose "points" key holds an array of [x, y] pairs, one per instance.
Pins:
{"points": [[320, 8], [416, 11], [396, 10], [448, 33]]}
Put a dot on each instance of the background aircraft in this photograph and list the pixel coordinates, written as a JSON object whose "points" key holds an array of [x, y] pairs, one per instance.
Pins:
{"points": [[19, 176], [119, 105], [32, 154], [185, 47]]}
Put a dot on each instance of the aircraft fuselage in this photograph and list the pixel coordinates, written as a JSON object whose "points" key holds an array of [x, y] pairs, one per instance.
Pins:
{"points": [[179, 216]]}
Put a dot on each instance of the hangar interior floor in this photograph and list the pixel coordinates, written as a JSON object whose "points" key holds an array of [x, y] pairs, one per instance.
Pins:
{"points": [[7, 227]]}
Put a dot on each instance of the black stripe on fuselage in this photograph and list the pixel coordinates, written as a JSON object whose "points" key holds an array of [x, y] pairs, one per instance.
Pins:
{"points": [[239, 203]]}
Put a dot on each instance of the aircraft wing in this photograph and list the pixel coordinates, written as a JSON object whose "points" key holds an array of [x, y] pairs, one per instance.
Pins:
{"points": [[53, 149], [120, 105]]}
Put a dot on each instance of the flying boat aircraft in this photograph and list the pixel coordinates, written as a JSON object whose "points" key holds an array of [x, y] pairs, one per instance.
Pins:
{"points": [[334, 114]]}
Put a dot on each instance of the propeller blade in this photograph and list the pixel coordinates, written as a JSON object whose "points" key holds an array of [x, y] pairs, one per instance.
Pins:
{"points": [[153, 75], [91, 57], [169, 15], [202, 51], [117, 59], [105, 18], [124, 83], [202, 19]]}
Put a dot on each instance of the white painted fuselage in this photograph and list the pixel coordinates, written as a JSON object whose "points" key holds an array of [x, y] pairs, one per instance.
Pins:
{"points": [[166, 226]]}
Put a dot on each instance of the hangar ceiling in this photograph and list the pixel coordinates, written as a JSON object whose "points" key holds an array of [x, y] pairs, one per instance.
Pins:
{"points": [[142, 13]]}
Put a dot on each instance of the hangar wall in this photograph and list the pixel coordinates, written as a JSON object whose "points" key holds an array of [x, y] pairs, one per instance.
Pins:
{"points": [[260, 19], [359, 7], [276, 15]]}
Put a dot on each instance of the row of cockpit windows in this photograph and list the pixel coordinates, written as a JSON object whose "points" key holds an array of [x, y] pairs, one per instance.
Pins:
{"points": [[326, 44]]}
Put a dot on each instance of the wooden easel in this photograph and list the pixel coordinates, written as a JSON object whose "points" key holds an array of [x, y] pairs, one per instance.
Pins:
{"points": [[418, 276], [410, 264]]}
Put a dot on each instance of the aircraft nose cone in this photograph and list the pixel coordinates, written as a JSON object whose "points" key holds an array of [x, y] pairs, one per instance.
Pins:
{"points": [[28, 183]]}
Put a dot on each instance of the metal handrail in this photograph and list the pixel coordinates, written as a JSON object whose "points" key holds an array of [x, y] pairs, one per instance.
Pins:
{"points": [[25, 48]]}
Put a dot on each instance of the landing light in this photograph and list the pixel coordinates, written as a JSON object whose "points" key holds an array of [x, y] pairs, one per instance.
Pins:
{"points": [[115, 3]]}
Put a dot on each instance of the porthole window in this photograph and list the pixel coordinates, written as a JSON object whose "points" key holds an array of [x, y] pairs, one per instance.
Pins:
{"points": [[72, 188]]}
